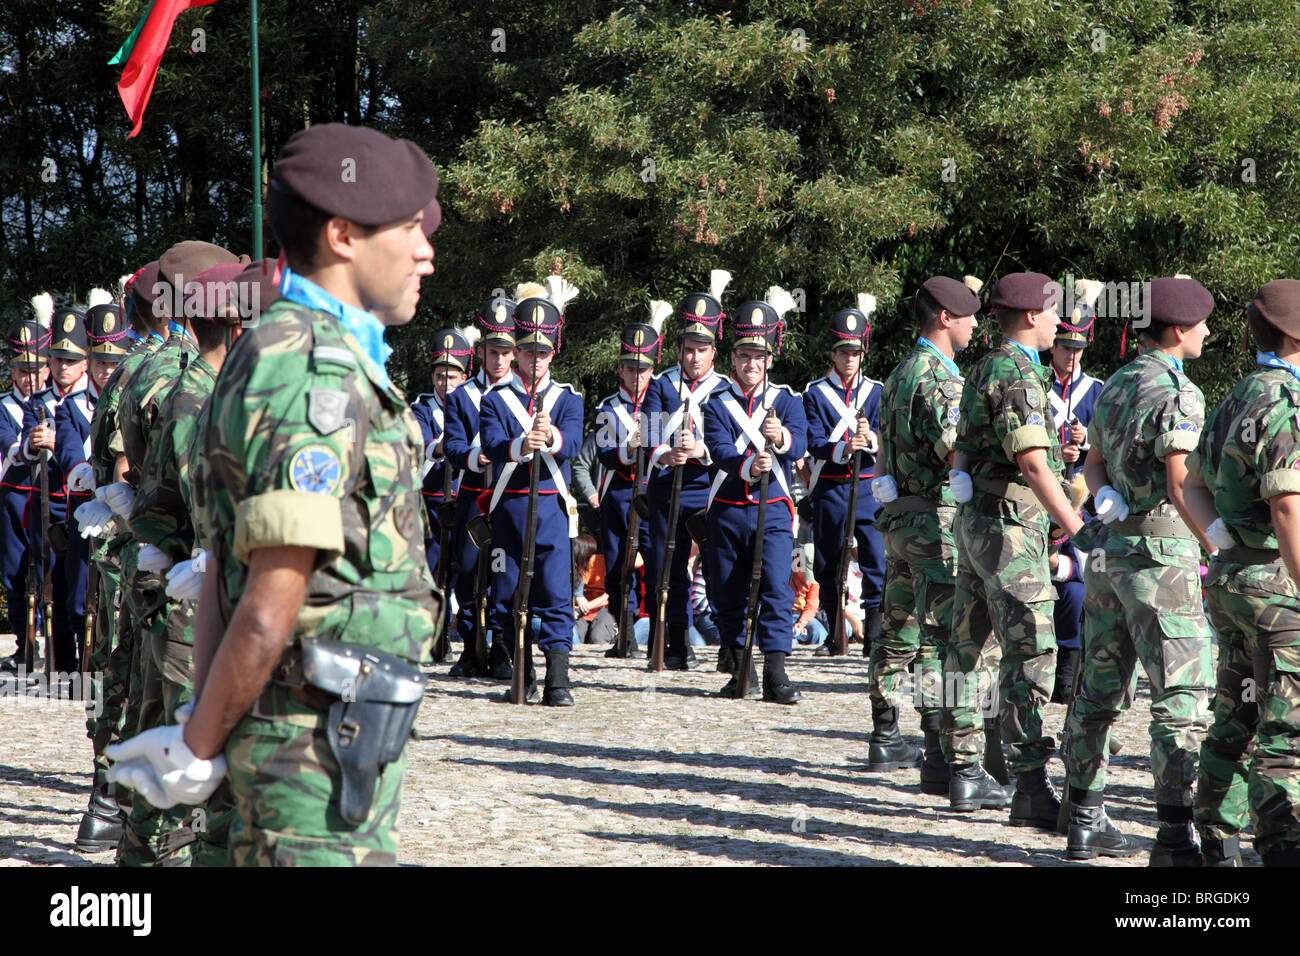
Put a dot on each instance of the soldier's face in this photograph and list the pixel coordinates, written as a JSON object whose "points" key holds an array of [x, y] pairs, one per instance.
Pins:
{"points": [[697, 358], [387, 267], [847, 362], [66, 371], [1044, 325], [1194, 339], [1065, 358], [25, 379], [100, 372], [961, 330], [534, 363], [634, 378], [496, 360], [750, 366], [446, 379]]}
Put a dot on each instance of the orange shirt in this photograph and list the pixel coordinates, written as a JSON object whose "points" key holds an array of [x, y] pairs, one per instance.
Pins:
{"points": [[593, 583], [807, 593]]}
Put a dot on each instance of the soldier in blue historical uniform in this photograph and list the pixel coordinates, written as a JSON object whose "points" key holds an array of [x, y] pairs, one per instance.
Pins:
{"points": [[677, 443], [28, 344], [453, 358], [107, 338], [620, 423], [843, 412], [1073, 395], [69, 351], [531, 421], [741, 423], [464, 449]]}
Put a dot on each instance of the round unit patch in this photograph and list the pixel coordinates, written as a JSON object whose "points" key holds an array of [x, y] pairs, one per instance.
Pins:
{"points": [[1034, 419], [1186, 425], [954, 415], [406, 520], [316, 468]]}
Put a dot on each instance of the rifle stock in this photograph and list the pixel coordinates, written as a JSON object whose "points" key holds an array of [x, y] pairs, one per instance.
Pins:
{"points": [[627, 573], [442, 643], [842, 595], [518, 687], [47, 575], [670, 553], [755, 575]]}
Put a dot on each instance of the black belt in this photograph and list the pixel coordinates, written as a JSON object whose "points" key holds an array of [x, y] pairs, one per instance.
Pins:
{"points": [[1243, 555]]}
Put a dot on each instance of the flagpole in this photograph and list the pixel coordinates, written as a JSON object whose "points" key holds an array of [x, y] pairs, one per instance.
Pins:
{"points": [[257, 144]]}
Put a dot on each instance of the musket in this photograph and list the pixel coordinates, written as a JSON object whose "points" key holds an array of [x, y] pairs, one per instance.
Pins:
{"points": [[92, 612], [846, 550], [670, 551], [446, 515], [756, 569], [525, 584], [627, 573], [47, 572], [481, 593]]}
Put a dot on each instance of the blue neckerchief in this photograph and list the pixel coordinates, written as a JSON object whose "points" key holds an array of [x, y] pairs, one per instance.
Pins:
{"points": [[365, 328], [132, 335], [1032, 353], [1175, 362], [1271, 360], [157, 336], [948, 363]]}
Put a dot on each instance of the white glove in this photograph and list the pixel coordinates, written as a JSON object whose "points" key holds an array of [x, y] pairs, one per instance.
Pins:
{"points": [[185, 579], [1219, 535], [152, 559], [120, 497], [1111, 506], [885, 488], [81, 477], [961, 485], [159, 765], [93, 519], [185, 711], [1083, 562]]}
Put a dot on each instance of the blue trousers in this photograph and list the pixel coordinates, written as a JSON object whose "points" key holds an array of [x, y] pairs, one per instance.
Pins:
{"points": [[733, 529], [830, 518], [550, 598], [613, 545], [464, 568], [655, 549], [1068, 613], [431, 551]]}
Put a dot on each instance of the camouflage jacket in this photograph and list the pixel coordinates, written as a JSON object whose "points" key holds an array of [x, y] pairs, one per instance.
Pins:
{"points": [[307, 447], [1250, 452], [918, 425], [1005, 409], [161, 514], [137, 415]]}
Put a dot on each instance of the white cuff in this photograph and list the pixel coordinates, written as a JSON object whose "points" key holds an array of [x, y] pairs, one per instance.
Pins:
{"points": [[840, 453], [625, 454], [428, 451], [471, 460], [659, 452], [517, 450], [1064, 567], [707, 457], [557, 441], [746, 470], [787, 440], [27, 449], [874, 446]]}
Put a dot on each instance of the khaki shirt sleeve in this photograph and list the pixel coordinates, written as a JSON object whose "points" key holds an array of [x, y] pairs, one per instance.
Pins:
{"points": [[1278, 457], [1020, 420], [1179, 422]]}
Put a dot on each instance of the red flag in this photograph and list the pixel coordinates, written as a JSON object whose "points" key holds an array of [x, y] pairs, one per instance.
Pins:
{"points": [[141, 68]]}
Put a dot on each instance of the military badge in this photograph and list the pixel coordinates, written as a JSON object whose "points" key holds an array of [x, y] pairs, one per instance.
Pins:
{"points": [[1031, 398], [406, 521], [326, 409], [1034, 419], [1186, 425], [954, 415], [316, 468]]}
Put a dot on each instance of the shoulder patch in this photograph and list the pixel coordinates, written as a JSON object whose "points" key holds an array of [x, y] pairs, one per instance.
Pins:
{"points": [[317, 469], [1031, 398], [326, 409], [1186, 425], [333, 355], [1034, 418], [954, 415], [949, 389]]}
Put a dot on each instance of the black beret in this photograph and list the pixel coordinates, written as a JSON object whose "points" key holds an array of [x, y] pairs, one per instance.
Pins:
{"points": [[181, 264], [1278, 302], [1177, 301], [1026, 292], [359, 174], [957, 297]]}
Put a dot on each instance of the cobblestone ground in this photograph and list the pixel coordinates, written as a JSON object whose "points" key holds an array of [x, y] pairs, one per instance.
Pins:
{"points": [[645, 769]]}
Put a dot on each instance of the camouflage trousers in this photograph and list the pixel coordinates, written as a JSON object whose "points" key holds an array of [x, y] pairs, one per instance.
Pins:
{"points": [[1255, 610], [1004, 597], [106, 727], [1143, 605], [920, 580], [286, 784]]}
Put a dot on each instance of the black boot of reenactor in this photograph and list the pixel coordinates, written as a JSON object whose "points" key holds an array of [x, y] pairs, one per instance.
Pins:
{"points": [[1220, 851], [500, 666], [727, 659], [1175, 839], [101, 824], [1091, 833], [776, 685], [1036, 803], [934, 769], [677, 653], [468, 664], [971, 788], [888, 750], [531, 694], [1067, 663], [732, 687], [557, 693]]}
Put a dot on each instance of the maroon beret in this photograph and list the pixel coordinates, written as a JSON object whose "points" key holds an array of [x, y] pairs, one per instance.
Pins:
{"points": [[1278, 302], [1026, 292], [957, 297], [142, 284], [181, 264], [1176, 301], [258, 286], [212, 291], [359, 174]]}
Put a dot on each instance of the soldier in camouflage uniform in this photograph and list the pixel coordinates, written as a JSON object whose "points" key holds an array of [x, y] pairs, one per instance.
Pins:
{"points": [[1004, 585], [1143, 602], [309, 634], [1247, 468], [918, 425]]}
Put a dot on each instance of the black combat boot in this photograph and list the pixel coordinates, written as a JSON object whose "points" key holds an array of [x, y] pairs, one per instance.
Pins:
{"points": [[1067, 664], [677, 653], [101, 824], [1220, 851], [557, 693], [1091, 834], [728, 660], [971, 788], [934, 771], [1175, 839], [776, 685], [732, 688], [467, 665], [995, 761], [500, 667], [888, 750], [1036, 803]]}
